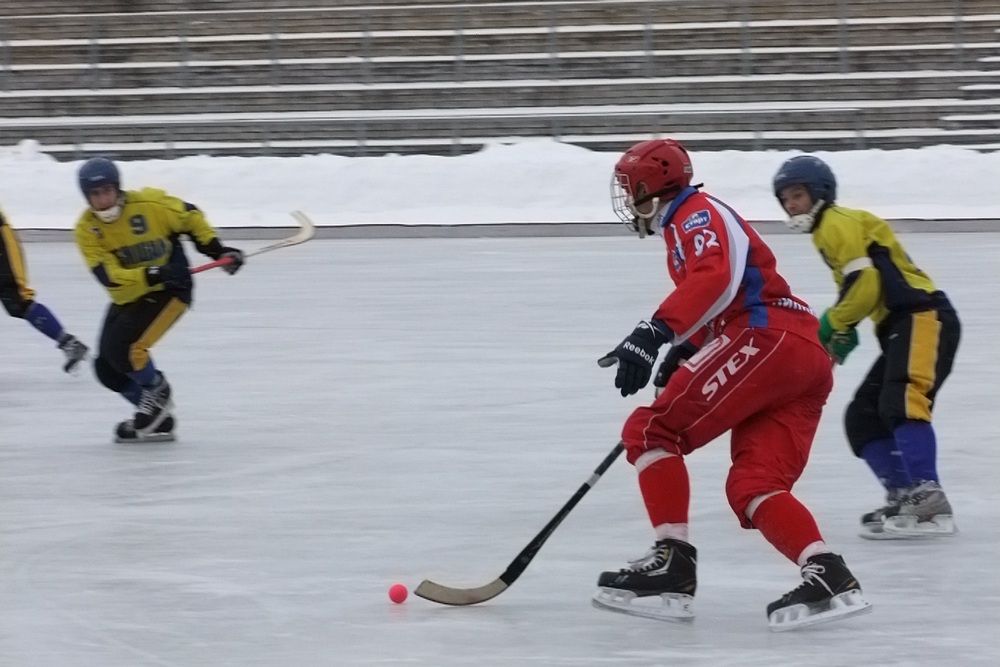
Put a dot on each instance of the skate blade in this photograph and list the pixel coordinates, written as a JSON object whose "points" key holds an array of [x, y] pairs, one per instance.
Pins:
{"points": [[877, 532], [74, 370], [941, 525], [845, 605], [673, 607], [151, 438], [155, 424]]}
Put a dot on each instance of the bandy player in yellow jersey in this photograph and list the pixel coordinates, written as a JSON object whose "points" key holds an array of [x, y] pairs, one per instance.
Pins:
{"points": [[888, 421], [19, 299], [130, 240]]}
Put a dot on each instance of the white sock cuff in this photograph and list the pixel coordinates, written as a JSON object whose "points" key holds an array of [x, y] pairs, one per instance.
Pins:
{"points": [[811, 550], [674, 531], [649, 458], [756, 502]]}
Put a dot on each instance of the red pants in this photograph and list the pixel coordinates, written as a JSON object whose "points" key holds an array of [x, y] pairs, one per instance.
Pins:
{"points": [[767, 386]]}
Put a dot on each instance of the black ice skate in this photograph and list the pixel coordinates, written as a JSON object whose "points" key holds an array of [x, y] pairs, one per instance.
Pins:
{"points": [[872, 523], [154, 406], [924, 512], [660, 585], [74, 350], [829, 593], [125, 432]]}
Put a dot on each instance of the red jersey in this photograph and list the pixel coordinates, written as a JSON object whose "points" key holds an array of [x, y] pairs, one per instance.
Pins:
{"points": [[724, 274]]}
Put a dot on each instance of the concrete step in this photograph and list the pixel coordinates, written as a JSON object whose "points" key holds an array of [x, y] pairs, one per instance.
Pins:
{"points": [[49, 17], [450, 68], [980, 140], [425, 126], [873, 86], [174, 46]]}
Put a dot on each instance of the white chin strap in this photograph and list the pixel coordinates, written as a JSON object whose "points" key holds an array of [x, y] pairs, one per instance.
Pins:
{"points": [[644, 223], [643, 227], [803, 222], [111, 213]]}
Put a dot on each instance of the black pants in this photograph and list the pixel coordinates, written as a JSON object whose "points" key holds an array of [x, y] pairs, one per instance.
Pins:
{"points": [[15, 294], [918, 350], [130, 330]]}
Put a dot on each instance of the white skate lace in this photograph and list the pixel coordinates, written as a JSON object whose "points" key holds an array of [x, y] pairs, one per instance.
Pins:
{"points": [[147, 403], [921, 493], [653, 559], [811, 577], [149, 400]]}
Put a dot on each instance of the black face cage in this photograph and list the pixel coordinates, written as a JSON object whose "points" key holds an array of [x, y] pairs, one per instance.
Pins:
{"points": [[622, 202], [626, 207]]}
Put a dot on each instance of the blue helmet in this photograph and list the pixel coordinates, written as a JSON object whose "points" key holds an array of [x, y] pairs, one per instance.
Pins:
{"points": [[811, 172], [98, 171]]}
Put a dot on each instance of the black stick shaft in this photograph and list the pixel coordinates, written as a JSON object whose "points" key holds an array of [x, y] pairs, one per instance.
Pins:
{"points": [[521, 561]]}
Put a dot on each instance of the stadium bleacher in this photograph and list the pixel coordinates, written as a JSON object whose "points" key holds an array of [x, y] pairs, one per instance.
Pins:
{"points": [[164, 79]]}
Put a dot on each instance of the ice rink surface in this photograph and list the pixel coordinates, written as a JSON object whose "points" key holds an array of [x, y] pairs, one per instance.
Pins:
{"points": [[357, 413]]}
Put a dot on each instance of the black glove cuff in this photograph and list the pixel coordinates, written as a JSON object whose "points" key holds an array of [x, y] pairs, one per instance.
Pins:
{"points": [[660, 332], [686, 350], [213, 248], [153, 276]]}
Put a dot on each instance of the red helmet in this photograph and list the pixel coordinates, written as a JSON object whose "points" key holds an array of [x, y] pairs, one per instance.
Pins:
{"points": [[661, 167]]}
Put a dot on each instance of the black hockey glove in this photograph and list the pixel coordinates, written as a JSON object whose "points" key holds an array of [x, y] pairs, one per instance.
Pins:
{"points": [[171, 276], [235, 257], [636, 355], [675, 356]]}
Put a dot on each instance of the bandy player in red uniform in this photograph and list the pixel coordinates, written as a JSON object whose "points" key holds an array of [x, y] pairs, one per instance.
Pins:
{"points": [[745, 358]]}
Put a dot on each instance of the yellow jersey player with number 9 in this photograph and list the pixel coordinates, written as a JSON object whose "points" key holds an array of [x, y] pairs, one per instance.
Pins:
{"points": [[888, 421], [131, 243]]}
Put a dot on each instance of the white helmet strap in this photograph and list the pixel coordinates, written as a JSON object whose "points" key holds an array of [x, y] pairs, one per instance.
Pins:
{"points": [[111, 213], [803, 222]]}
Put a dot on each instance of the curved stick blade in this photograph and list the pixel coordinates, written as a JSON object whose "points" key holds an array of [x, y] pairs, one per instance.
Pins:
{"points": [[459, 596], [306, 228], [305, 232]]}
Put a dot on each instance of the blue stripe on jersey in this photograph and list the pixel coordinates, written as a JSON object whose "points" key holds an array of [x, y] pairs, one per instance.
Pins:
{"points": [[729, 208], [753, 283], [681, 197]]}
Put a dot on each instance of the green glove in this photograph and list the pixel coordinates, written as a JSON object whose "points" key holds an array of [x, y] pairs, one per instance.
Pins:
{"points": [[841, 344], [838, 343]]}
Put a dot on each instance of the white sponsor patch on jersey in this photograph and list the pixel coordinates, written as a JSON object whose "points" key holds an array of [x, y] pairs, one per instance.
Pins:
{"points": [[707, 351], [728, 371], [696, 220]]}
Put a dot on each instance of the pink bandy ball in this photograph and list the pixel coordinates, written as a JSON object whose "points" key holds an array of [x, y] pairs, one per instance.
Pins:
{"points": [[398, 593]]}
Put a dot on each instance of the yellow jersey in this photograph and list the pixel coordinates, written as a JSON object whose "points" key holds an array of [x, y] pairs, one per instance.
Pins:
{"points": [[874, 274], [147, 233]]}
